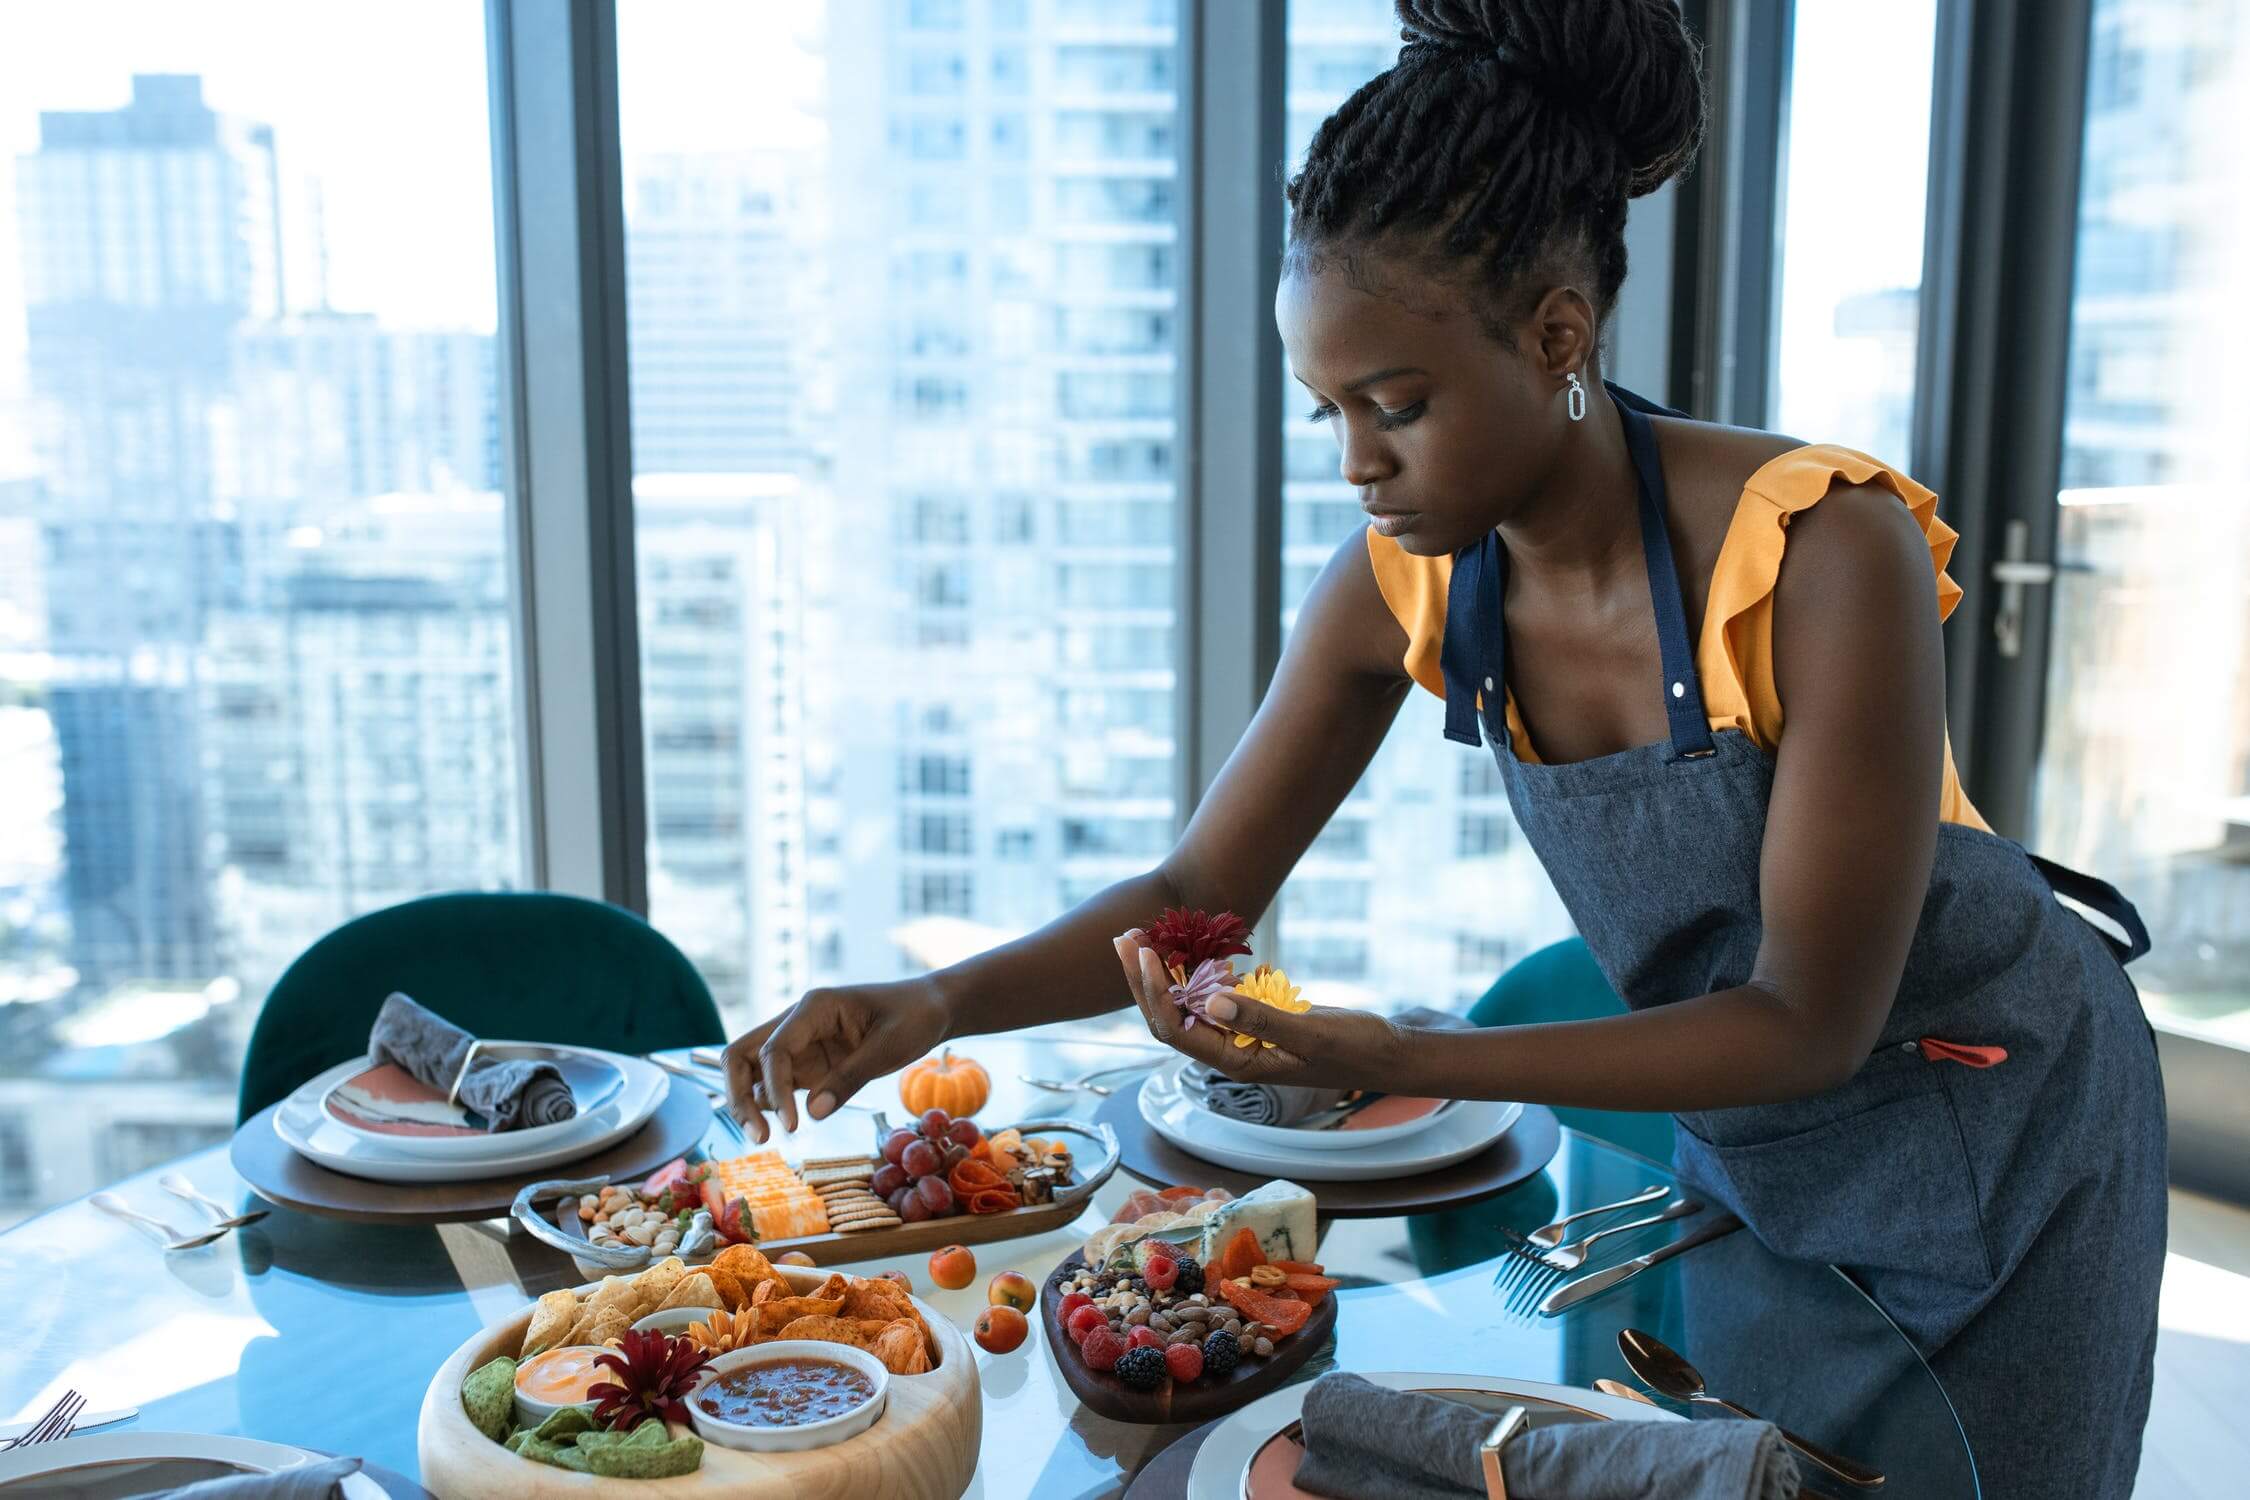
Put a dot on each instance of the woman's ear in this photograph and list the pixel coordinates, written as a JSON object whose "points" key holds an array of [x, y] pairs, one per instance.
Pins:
{"points": [[1563, 333]]}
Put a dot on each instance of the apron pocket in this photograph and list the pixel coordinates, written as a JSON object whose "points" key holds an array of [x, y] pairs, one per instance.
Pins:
{"points": [[1887, 1188]]}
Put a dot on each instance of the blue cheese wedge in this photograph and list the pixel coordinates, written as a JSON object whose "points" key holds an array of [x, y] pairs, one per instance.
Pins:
{"points": [[1281, 1214]]}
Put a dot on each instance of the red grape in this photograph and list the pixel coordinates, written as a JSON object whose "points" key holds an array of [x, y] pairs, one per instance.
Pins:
{"points": [[895, 1144], [953, 1153], [936, 1123], [921, 1159], [897, 1199], [889, 1178], [936, 1195], [966, 1132], [913, 1210]]}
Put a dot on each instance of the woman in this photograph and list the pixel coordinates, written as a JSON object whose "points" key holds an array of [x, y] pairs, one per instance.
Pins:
{"points": [[1886, 1044]]}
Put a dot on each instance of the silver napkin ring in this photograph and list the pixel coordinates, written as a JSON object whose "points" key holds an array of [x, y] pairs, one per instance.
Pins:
{"points": [[1513, 1422], [468, 1060]]}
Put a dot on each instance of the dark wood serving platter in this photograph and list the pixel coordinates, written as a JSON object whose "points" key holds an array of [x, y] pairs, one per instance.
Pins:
{"points": [[1108, 1396]]}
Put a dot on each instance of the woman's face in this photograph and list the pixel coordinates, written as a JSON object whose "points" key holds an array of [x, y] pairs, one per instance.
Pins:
{"points": [[1444, 431]]}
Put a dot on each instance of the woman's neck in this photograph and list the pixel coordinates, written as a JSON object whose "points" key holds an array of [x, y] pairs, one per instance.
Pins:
{"points": [[1581, 527]]}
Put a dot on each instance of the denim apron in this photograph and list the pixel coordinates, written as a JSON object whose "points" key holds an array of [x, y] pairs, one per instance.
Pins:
{"points": [[1994, 1175]]}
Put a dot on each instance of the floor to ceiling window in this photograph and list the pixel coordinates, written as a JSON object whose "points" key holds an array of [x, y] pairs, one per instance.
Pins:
{"points": [[2144, 768], [901, 297], [254, 621], [1854, 177], [1421, 890]]}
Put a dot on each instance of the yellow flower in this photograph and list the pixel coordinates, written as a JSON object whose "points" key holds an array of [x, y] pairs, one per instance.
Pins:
{"points": [[1269, 986]]}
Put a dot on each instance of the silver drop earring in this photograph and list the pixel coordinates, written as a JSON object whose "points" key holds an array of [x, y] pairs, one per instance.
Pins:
{"points": [[1577, 398]]}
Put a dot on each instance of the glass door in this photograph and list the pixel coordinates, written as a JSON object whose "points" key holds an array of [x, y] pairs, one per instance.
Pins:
{"points": [[2143, 774]]}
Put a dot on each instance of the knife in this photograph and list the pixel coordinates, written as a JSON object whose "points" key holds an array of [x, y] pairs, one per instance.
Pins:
{"points": [[1601, 1281], [90, 1419]]}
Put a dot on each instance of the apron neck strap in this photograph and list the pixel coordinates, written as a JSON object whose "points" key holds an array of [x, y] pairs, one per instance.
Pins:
{"points": [[1474, 655]]}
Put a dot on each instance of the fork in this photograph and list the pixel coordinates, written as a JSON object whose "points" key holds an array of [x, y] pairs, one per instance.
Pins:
{"points": [[110, 1203], [1552, 1235], [53, 1427], [1573, 1255], [178, 1186]]}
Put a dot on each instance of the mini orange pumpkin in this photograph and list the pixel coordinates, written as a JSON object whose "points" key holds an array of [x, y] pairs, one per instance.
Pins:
{"points": [[957, 1085]]}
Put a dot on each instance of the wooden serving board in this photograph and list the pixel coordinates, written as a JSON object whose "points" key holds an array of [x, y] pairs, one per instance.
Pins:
{"points": [[279, 1175], [561, 1227], [1516, 1157], [1171, 1401], [924, 1447]]}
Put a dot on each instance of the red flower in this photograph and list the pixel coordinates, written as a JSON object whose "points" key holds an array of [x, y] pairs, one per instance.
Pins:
{"points": [[1184, 939], [654, 1374]]}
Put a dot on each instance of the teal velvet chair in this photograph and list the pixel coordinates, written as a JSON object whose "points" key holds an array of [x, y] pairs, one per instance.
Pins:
{"points": [[1561, 982], [522, 965]]}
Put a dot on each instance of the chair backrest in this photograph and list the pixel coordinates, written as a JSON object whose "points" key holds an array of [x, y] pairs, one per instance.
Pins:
{"points": [[1561, 982], [519, 965]]}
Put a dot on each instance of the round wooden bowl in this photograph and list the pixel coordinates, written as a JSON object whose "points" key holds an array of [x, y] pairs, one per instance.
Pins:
{"points": [[923, 1448]]}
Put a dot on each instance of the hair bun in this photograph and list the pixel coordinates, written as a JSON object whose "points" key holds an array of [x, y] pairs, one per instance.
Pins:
{"points": [[1630, 64]]}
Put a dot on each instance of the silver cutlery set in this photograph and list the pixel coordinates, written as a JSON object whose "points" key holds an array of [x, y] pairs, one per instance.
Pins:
{"points": [[224, 1220]]}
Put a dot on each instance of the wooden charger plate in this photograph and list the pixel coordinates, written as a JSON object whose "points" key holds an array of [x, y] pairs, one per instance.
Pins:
{"points": [[1172, 1402], [923, 1447], [567, 1233], [279, 1175]]}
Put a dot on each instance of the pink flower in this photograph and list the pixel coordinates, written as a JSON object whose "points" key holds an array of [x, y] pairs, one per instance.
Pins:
{"points": [[1212, 977]]}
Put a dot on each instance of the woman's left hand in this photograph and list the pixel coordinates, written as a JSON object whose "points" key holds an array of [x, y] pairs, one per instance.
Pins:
{"points": [[1324, 1047]]}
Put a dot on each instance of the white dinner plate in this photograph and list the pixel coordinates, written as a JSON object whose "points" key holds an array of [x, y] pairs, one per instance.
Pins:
{"points": [[1222, 1464], [307, 1130], [1459, 1133], [594, 1078], [105, 1464], [1294, 1138]]}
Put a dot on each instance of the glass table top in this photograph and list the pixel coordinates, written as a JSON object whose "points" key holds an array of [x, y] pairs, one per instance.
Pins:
{"points": [[324, 1334]]}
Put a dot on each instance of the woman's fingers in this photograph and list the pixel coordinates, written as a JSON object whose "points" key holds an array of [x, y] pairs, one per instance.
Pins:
{"points": [[741, 1059], [1293, 1032]]}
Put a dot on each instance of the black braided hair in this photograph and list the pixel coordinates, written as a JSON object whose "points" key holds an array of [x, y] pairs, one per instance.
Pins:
{"points": [[1506, 138]]}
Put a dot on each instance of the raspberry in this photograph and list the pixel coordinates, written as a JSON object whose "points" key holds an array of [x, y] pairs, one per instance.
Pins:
{"points": [[1071, 1304], [1185, 1362], [1144, 1337], [1102, 1349], [1084, 1321], [1221, 1352], [1161, 1273], [1142, 1369]]}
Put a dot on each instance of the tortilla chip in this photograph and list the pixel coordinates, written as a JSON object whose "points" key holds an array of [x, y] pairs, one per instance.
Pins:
{"points": [[875, 1297], [746, 1266], [765, 1290], [693, 1291], [838, 1285], [551, 1322], [899, 1347], [609, 1323], [653, 1285], [775, 1313], [860, 1333]]}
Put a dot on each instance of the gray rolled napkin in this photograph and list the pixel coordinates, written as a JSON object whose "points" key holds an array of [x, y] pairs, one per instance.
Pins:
{"points": [[1362, 1439], [510, 1095], [312, 1482], [1286, 1103]]}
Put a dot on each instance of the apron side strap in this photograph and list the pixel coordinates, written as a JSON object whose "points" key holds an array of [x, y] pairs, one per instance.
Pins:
{"points": [[2101, 897], [1462, 656]]}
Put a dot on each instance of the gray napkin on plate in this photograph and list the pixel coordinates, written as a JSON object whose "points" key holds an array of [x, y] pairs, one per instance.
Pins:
{"points": [[1287, 1103], [510, 1095], [1363, 1439], [312, 1482]]}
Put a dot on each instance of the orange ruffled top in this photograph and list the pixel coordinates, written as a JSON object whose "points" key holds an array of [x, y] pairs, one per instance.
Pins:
{"points": [[1735, 653]]}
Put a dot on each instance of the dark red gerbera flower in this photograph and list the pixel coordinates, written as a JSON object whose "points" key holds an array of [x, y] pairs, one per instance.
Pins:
{"points": [[1184, 939], [654, 1374]]}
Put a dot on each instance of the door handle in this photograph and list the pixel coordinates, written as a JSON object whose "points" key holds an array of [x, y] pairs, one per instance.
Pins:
{"points": [[2015, 573]]}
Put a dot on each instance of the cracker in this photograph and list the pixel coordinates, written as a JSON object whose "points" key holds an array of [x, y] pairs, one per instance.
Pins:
{"points": [[816, 1163], [861, 1226]]}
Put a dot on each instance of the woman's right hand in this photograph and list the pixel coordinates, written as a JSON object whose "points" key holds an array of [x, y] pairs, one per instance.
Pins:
{"points": [[830, 1044]]}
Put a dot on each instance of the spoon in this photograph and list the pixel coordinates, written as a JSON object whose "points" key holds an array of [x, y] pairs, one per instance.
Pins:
{"points": [[1620, 1389], [1666, 1372], [178, 1186], [110, 1203]]}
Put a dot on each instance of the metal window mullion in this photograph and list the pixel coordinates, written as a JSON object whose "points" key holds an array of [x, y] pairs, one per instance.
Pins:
{"points": [[561, 262], [1993, 351], [1234, 60]]}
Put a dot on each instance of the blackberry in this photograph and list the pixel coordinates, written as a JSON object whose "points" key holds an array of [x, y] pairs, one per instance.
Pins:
{"points": [[1143, 1369], [1191, 1278], [1221, 1352]]}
